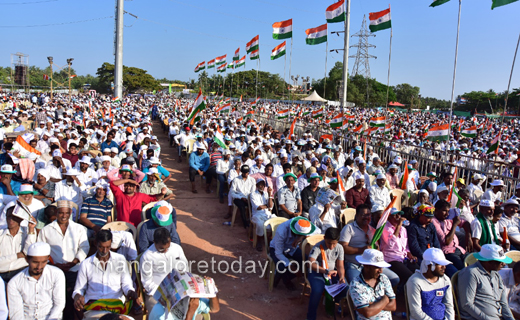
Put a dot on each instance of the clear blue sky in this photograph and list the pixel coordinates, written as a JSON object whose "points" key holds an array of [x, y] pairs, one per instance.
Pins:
{"points": [[182, 33]]}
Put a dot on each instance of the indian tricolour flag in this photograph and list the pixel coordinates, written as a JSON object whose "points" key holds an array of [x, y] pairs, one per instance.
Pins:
{"points": [[225, 108], [377, 122], [493, 148], [380, 20], [282, 30], [241, 62], [278, 51], [252, 45], [388, 127], [470, 132], [219, 138], [439, 133], [200, 66], [337, 121], [254, 55], [316, 35], [317, 113], [438, 3], [283, 114], [222, 67], [255, 103], [336, 12], [382, 222], [211, 64], [344, 125], [220, 60], [116, 99], [499, 3], [237, 55], [358, 129], [198, 106], [351, 119]]}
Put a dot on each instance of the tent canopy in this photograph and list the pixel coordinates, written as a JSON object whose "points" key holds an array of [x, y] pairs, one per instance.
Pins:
{"points": [[395, 104], [314, 97]]}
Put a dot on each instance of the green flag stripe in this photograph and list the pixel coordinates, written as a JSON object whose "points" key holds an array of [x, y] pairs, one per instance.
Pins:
{"points": [[382, 26]]}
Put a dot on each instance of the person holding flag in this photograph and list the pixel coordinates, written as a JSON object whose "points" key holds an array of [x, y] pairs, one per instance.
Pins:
{"points": [[326, 259], [356, 237]]}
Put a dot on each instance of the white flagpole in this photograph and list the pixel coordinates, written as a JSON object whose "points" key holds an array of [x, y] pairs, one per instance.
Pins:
{"points": [[389, 63], [257, 67], [454, 76], [326, 55], [284, 67], [290, 64], [510, 76]]}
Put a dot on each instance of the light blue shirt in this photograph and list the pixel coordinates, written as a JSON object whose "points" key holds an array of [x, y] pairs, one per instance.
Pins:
{"points": [[158, 311], [283, 242]]}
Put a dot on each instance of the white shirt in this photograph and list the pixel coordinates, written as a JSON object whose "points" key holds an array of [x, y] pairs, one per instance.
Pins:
{"points": [[101, 172], [255, 169], [277, 170], [223, 166], [95, 282], [155, 266], [241, 188], [260, 199], [329, 220], [4, 312], [280, 183], [10, 246], [66, 247], [37, 299], [476, 230], [512, 226], [302, 182], [379, 195], [490, 195], [127, 248], [88, 178], [72, 193]]}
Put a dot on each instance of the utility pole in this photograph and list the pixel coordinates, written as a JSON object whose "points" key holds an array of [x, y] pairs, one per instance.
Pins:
{"points": [[50, 62], [118, 65], [69, 62], [345, 54]]}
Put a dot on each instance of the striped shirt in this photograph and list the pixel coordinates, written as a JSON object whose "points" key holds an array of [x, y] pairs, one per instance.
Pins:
{"points": [[97, 212], [214, 158]]}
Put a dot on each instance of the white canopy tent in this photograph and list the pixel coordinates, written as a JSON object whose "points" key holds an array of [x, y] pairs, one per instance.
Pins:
{"points": [[314, 97]]}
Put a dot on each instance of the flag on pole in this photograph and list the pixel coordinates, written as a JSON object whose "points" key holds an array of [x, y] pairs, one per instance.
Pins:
{"points": [[291, 131], [470, 132], [336, 12], [439, 133], [499, 3], [200, 66], [380, 20], [224, 109], [220, 60], [254, 55], [198, 105], [493, 148], [282, 114], [316, 35], [337, 121], [340, 183], [45, 77], [351, 119], [241, 62], [344, 125], [382, 222], [388, 127], [404, 178], [230, 66], [237, 55], [219, 138], [453, 186], [252, 45], [377, 122], [73, 76], [254, 103], [222, 67], [438, 3], [211, 64], [278, 51], [317, 113], [282, 30], [249, 114]]}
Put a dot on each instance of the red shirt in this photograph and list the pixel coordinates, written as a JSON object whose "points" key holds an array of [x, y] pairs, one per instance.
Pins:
{"points": [[129, 209], [355, 198]]}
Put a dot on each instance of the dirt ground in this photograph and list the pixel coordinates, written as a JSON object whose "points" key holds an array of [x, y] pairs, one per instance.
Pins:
{"points": [[243, 295]]}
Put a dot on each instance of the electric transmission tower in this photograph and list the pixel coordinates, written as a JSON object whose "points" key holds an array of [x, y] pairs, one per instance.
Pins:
{"points": [[362, 65]]}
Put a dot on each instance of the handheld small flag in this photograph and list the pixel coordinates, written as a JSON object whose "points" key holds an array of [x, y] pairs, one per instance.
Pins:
{"points": [[381, 223]]}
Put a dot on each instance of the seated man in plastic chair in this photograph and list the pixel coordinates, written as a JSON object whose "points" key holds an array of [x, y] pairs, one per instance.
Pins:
{"points": [[428, 290], [285, 249], [326, 269]]}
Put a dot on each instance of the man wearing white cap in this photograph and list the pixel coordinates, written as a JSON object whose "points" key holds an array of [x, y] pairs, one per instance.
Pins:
{"points": [[278, 168], [482, 294], [494, 194], [15, 240], [358, 194], [106, 167], [86, 175], [511, 223], [483, 230], [199, 163], [38, 292], [70, 189], [475, 187], [371, 291], [102, 276], [96, 211], [429, 289], [378, 193]]}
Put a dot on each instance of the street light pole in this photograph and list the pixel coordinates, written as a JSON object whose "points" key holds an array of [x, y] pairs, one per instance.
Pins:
{"points": [[69, 62], [50, 62]]}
